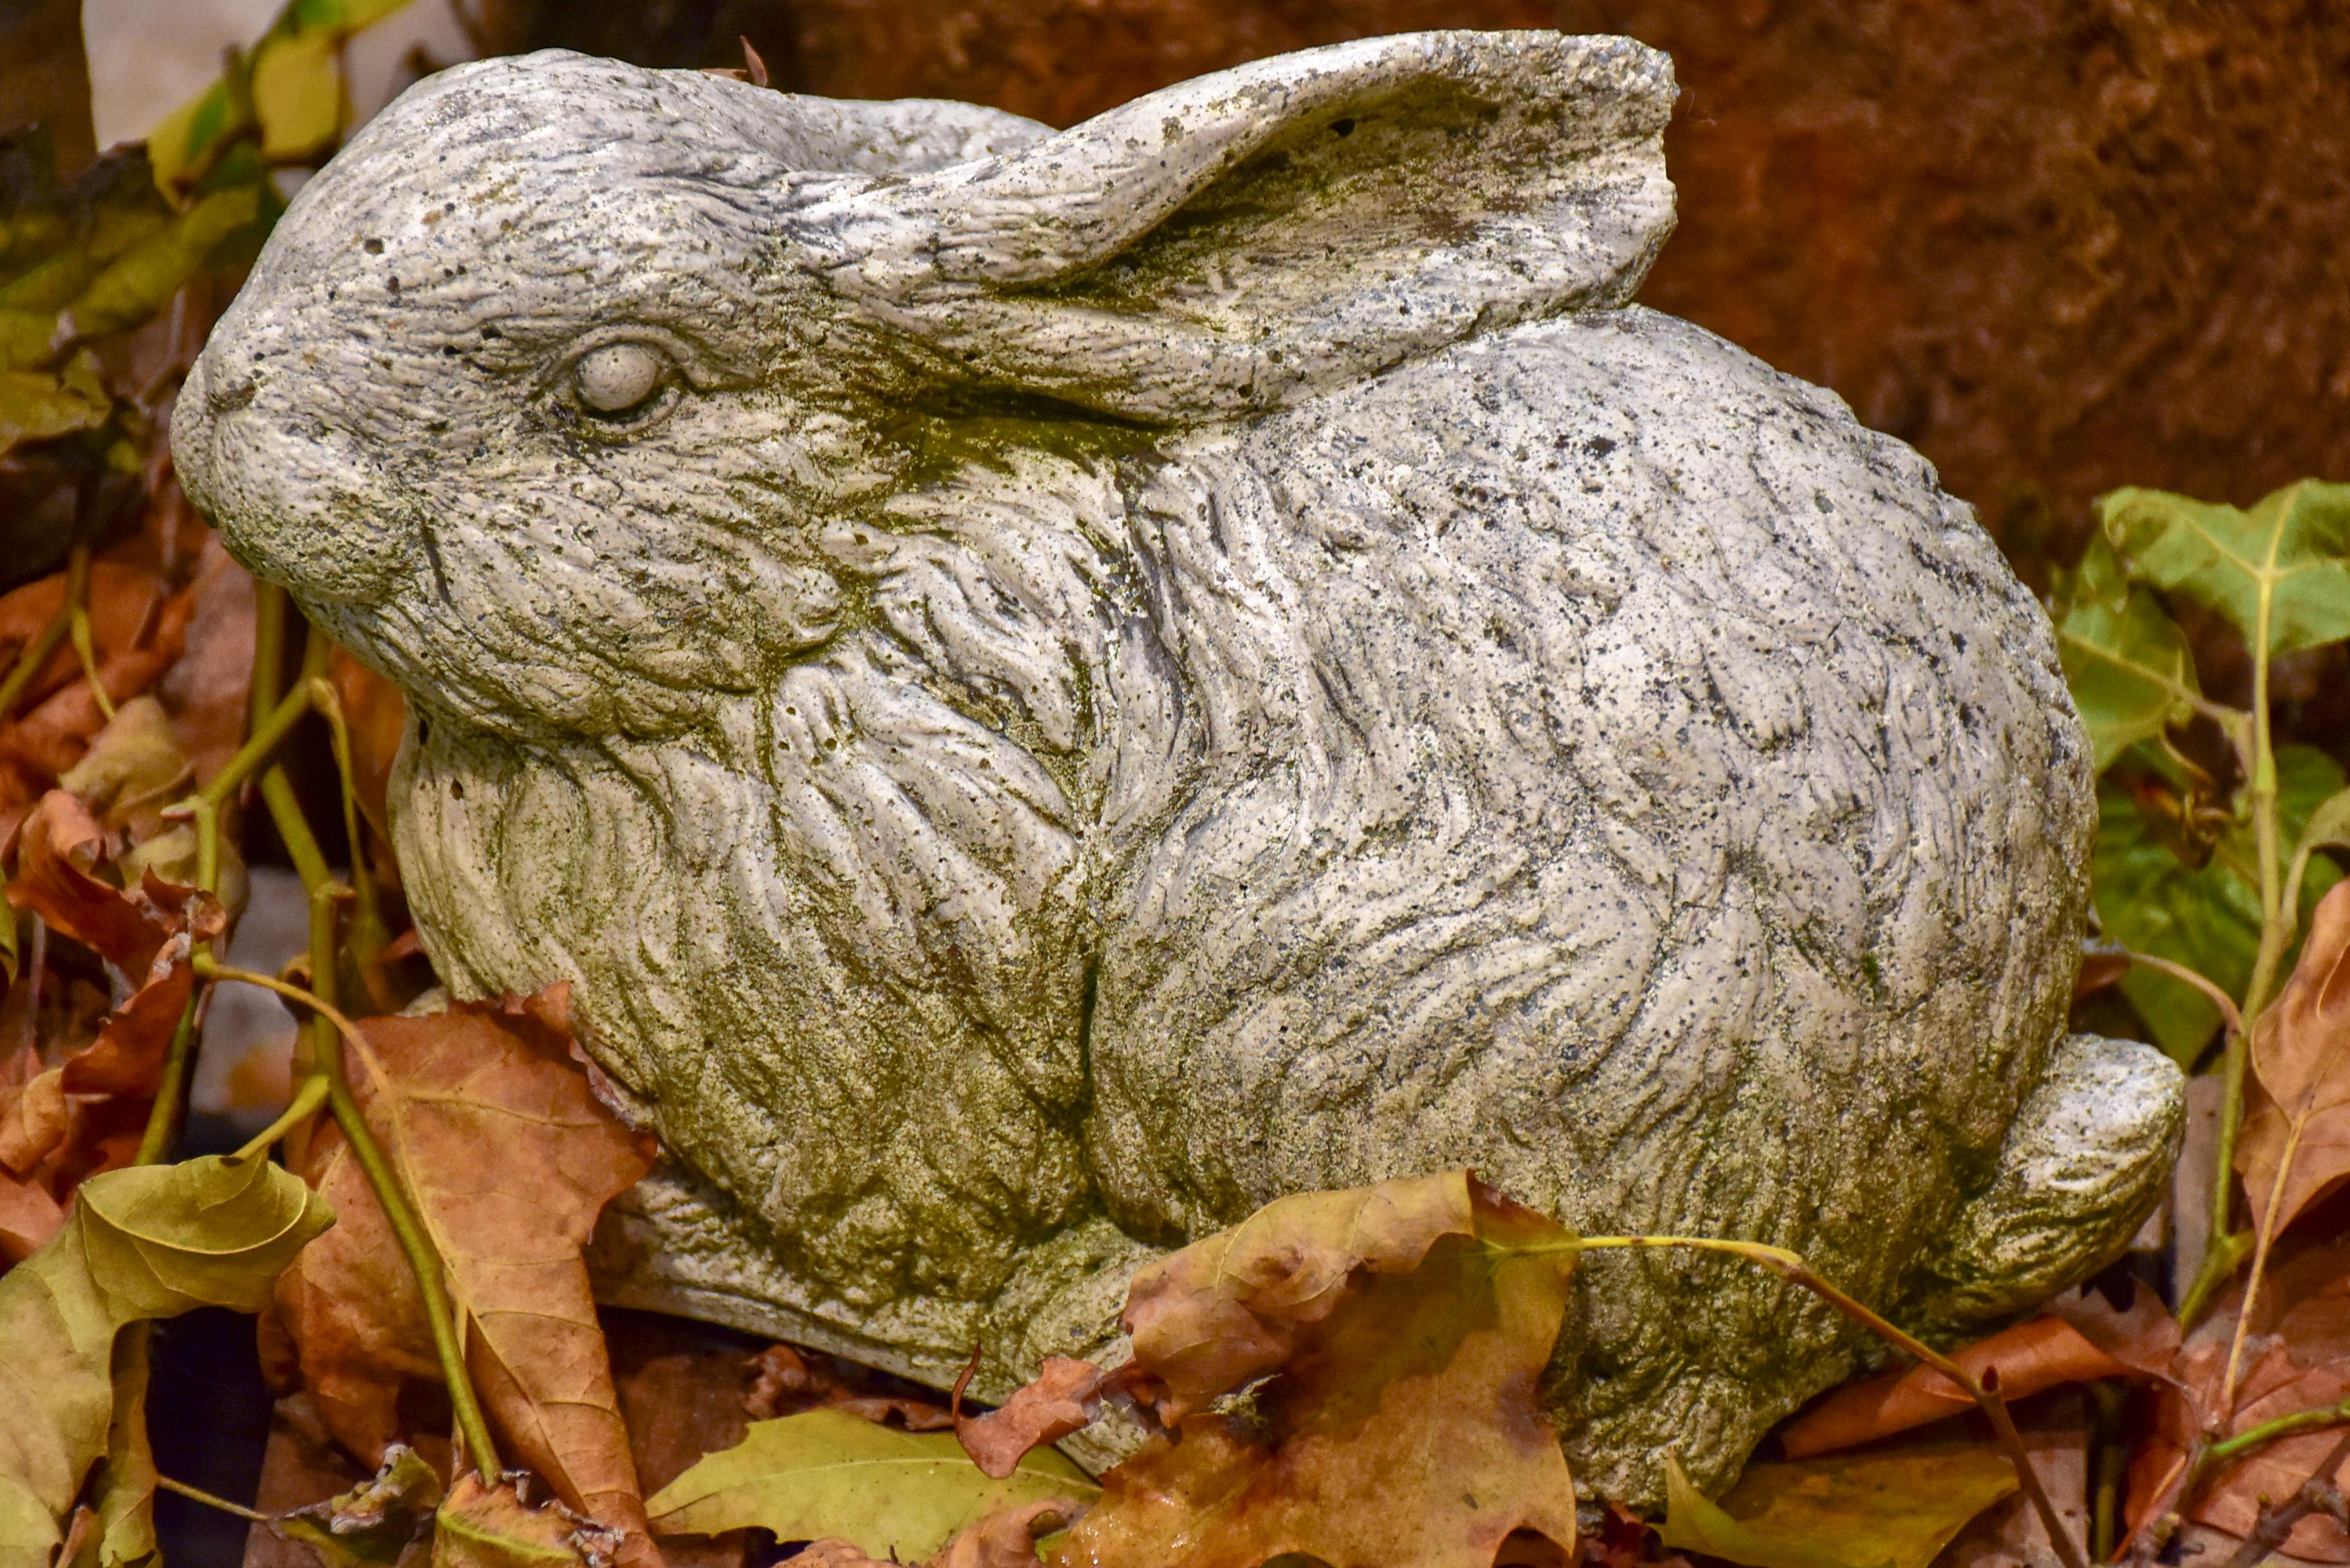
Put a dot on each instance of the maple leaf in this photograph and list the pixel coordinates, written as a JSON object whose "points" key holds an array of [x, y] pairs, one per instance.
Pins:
{"points": [[510, 1157], [1402, 1330], [2127, 663], [2296, 1140]]}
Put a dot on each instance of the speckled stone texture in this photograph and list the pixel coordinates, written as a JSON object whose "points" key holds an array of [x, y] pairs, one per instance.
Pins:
{"points": [[1117, 675]]}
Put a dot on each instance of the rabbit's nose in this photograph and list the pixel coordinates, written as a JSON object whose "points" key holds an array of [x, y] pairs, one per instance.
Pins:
{"points": [[226, 394]]}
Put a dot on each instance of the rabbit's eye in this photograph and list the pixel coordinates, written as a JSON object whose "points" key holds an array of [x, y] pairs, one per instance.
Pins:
{"points": [[620, 377]]}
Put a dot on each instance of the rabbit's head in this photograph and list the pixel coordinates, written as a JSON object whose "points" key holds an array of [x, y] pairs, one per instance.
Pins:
{"points": [[564, 392]]}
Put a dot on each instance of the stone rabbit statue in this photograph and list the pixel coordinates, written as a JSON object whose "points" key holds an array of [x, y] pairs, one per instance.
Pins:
{"points": [[1049, 689]]}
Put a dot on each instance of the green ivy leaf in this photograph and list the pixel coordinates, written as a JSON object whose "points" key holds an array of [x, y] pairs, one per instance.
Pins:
{"points": [[2208, 916], [147, 1242], [2285, 563], [2126, 660], [1869, 1509], [825, 1472]]}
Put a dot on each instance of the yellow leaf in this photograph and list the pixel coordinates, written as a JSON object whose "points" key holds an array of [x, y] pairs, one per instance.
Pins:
{"points": [[147, 1242], [141, 281], [297, 92], [1881, 1509], [37, 405], [492, 1527], [827, 1473], [185, 138]]}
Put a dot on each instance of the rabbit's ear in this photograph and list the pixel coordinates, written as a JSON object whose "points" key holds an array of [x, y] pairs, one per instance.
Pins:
{"points": [[1236, 241]]}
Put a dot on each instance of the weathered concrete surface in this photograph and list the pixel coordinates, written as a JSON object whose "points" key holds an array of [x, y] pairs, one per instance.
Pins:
{"points": [[1117, 675]]}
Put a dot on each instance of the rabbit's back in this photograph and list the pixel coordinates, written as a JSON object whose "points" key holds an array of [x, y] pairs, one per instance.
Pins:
{"points": [[1628, 776]]}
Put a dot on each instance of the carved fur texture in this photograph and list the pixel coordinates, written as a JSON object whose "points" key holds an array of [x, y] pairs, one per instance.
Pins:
{"points": [[1124, 673]]}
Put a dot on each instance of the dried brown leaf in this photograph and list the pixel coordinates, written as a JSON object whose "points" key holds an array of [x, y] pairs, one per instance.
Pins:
{"points": [[35, 1118], [1404, 1328], [133, 770], [510, 1158], [2296, 1138], [1063, 1398], [30, 1217], [2030, 1358], [59, 851], [1226, 1311], [491, 1527], [128, 1056], [2298, 1359], [790, 1380], [1006, 1539], [208, 690]]}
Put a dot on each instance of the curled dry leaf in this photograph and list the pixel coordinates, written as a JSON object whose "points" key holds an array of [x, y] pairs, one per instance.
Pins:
{"points": [[1065, 1398], [147, 932], [373, 1524], [510, 1157], [1402, 1330], [59, 852], [1006, 1539], [149, 1243], [480, 1526], [138, 628], [2031, 1357], [2297, 1139], [1880, 1510], [1231, 1308], [131, 771]]}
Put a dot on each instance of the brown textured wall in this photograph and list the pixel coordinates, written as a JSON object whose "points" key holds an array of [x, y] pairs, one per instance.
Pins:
{"points": [[2059, 244]]}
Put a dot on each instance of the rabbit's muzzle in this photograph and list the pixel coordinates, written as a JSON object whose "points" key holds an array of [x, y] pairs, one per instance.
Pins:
{"points": [[296, 500]]}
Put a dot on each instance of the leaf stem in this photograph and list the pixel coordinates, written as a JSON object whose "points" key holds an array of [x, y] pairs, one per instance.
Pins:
{"points": [[306, 1100], [255, 752], [77, 626], [1791, 1266], [198, 1494], [2282, 1426], [368, 934], [30, 662], [390, 1194], [171, 1092]]}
